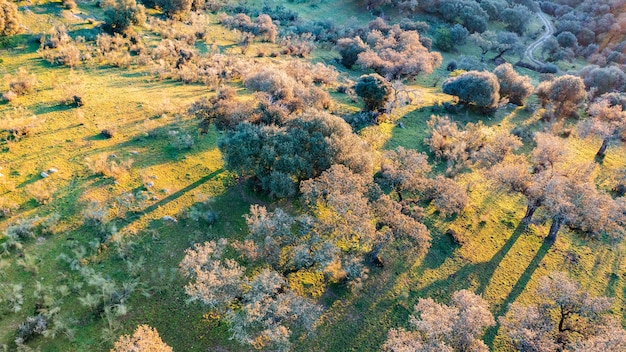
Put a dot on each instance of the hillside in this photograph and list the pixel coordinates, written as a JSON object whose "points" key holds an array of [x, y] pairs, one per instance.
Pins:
{"points": [[122, 154]]}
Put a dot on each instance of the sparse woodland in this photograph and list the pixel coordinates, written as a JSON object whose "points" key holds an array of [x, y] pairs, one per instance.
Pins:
{"points": [[312, 175]]}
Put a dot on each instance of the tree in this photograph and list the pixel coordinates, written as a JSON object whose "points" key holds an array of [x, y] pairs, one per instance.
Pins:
{"points": [[9, 20], [474, 87], [600, 80], [280, 157], [175, 8], [500, 43], [567, 40], [466, 12], [447, 195], [120, 15], [563, 317], [516, 18], [349, 49], [261, 310], [375, 91], [405, 170], [476, 145], [512, 85], [398, 54], [438, 327], [144, 339], [562, 95], [606, 121], [566, 192]]}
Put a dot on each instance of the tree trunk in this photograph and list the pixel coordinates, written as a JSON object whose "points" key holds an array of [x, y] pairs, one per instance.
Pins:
{"points": [[554, 228], [529, 214], [399, 193], [500, 54], [602, 150]]}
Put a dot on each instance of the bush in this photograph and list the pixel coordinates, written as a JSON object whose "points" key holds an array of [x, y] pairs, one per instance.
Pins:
{"points": [[35, 325], [120, 15], [9, 24], [145, 338], [41, 192], [59, 49], [19, 123], [22, 83], [176, 9]]}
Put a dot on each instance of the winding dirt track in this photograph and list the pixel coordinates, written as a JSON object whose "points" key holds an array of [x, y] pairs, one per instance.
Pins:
{"points": [[549, 31]]}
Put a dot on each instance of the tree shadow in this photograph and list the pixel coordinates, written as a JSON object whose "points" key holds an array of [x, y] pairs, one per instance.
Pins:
{"points": [[131, 215], [441, 249], [519, 287], [494, 262]]}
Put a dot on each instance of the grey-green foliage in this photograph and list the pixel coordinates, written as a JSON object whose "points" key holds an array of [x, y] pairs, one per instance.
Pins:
{"points": [[374, 90], [280, 157], [120, 15], [267, 312], [516, 18], [474, 87], [11, 297], [19, 232], [563, 317], [513, 85]]}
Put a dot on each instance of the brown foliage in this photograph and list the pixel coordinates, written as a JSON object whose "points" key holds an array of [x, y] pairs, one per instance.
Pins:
{"points": [[144, 339]]}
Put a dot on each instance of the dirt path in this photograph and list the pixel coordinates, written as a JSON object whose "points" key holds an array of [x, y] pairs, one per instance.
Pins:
{"points": [[549, 31]]}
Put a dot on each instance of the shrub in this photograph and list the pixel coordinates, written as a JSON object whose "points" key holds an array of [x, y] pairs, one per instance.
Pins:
{"points": [[120, 15], [59, 49], [9, 24], [7, 207], [145, 338], [41, 192], [35, 325], [19, 123], [102, 166], [22, 83]]}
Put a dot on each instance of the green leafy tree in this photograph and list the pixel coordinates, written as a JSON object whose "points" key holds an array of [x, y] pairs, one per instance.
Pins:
{"points": [[375, 91], [280, 157], [120, 15], [474, 87]]}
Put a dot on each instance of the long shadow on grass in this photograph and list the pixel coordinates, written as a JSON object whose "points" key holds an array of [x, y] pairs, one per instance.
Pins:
{"points": [[494, 262], [177, 194], [519, 288]]}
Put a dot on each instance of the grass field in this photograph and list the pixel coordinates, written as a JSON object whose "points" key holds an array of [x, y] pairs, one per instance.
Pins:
{"points": [[499, 259]]}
